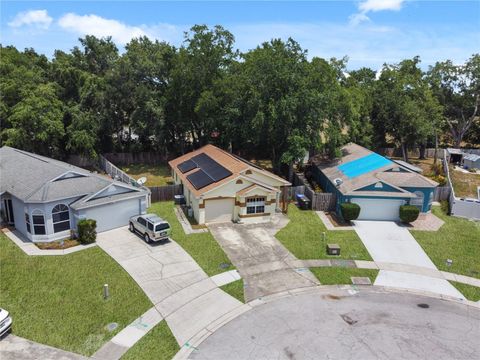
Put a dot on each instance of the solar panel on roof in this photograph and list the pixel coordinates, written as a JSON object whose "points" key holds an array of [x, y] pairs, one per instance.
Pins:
{"points": [[212, 168], [186, 166], [199, 179]]}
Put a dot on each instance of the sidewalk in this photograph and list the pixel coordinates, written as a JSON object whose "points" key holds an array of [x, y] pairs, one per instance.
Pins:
{"points": [[180, 290]]}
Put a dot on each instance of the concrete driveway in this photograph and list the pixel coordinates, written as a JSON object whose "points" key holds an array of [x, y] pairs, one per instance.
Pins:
{"points": [[181, 291], [389, 243], [334, 324], [262, 261]]}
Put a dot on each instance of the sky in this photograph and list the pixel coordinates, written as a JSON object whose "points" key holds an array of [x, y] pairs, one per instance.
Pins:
{"points": [[369, 32]]}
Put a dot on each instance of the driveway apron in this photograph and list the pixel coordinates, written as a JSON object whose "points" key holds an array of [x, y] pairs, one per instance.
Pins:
{"points": [[262, 261], [389, 243], [180, 290]]}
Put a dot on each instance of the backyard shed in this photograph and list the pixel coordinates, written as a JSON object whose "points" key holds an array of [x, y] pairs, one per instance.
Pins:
{"points": [[471, 161]]}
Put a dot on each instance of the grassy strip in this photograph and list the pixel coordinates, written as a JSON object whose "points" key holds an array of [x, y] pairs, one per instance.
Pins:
{"points": [[158, 344], [57, 300], [235, 289], [339, 275], [471, 292], [457, 239], [202, 247], [303, 237], [157, 175]]}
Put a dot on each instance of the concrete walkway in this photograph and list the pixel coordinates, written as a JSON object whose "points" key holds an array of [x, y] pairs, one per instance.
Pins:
{"points": [[180, 290], [389, 243], [16, 348], [262, 261]]}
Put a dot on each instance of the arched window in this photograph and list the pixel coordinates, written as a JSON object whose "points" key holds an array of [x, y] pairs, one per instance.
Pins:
{"points": [[61, 218], [38, 222], [239, 181], [248, 172]]}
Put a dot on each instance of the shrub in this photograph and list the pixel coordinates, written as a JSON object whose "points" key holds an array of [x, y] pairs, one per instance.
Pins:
{"points": [[350, 211], [440, 179], [437, 169], [408, 213], [445, 206], [87, 233]]}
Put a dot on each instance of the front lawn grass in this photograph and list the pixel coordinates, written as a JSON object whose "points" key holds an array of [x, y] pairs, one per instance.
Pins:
{"points": [[158, 344], [57, 300], [202, 246], [157, 175], [341, 275], [457, 239], [236, 289], [472, 293], [303, 238]]}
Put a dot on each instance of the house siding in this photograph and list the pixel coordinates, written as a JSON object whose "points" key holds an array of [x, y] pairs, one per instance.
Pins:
{"points": [[427, 195]]}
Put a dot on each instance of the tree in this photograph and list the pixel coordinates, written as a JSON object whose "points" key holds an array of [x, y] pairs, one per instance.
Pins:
{"points": [[37, 122], [404, 107], [457, 87]]}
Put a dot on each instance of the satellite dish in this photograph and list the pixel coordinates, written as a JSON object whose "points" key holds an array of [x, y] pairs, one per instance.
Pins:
{"points": [[142, 180]]}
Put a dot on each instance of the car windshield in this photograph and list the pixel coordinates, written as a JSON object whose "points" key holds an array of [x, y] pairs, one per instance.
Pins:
{"points": [[161, 227]]}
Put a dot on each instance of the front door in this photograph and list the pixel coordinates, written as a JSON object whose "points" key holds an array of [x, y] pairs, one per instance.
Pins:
{"points": [[9, 211]]}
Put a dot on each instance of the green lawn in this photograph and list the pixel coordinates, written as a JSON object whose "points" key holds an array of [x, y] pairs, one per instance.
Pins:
{"points": [[457, 239], [157, 175], [472, 293], [202, 247], [464, 184], [158, 344], [57, 300], [235, 289], [341, 275], [303, 237]]}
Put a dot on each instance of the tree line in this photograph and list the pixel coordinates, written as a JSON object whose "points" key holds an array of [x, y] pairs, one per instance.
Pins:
{"points": [[270, 102]]}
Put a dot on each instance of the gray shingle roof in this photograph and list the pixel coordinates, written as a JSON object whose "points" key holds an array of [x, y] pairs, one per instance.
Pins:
{"points": [[31, 177], [352, 152]]}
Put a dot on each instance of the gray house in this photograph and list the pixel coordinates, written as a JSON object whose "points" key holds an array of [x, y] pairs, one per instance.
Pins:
{"points": [[44, 198]]}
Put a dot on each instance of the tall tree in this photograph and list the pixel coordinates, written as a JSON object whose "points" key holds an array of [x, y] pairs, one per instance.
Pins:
{"points": [[457, 87]]}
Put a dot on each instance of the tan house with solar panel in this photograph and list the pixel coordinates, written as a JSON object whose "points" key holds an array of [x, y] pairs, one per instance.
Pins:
{"points": [[219, 186]]}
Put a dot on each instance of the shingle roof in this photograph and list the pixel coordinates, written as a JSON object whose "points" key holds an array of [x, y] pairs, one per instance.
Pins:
{"points": [[30, 177], [351, 152], [233, 163]]}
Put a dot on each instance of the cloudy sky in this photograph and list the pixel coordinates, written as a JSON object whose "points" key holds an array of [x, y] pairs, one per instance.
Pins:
{"points": [[370, 32]]}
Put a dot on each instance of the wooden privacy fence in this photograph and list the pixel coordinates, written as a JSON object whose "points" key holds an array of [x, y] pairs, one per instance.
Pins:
{"points": [[441, 193], [165, 193], [153, 158], [319, 201]]}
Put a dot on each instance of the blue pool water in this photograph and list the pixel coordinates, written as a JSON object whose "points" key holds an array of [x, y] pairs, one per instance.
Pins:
{"points": [[363, 165]]}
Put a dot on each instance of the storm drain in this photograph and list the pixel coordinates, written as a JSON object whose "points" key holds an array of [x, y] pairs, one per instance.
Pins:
{"points": [[348, 319], [423, 306]]}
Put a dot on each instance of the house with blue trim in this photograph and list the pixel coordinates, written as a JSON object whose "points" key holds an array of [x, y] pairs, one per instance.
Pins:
{"points": [[379, 185]]}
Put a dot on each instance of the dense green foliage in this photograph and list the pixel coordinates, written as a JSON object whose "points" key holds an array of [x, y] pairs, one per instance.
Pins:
{"points": [[87, 233], [409, 213], [57, 300], [350, 211], [270, 102]]}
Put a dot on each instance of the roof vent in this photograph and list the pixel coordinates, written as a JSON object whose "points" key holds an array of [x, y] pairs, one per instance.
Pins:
{"points": [[338, 181]]}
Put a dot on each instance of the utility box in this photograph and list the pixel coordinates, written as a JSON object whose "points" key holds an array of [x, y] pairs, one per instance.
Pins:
{"points": [[333, 249]]}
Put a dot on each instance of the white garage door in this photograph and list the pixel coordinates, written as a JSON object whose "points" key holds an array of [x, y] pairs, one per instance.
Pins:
{"points": [[378, 209], [114, 215], [219, 210]]}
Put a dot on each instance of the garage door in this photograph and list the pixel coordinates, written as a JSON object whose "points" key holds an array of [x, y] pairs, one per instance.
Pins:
{"points": [[378, 209], [219, 210], [114, 215]]}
